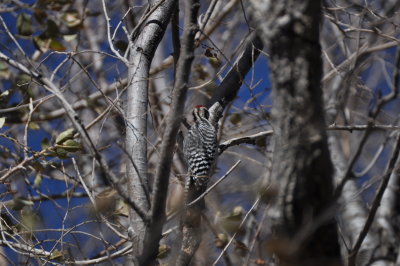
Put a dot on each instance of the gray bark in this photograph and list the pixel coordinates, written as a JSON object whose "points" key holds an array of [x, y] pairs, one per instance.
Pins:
{"points": [[386, 220], [302, 164], [142, 50], [352, 211], [231, 84], [174, 119]]}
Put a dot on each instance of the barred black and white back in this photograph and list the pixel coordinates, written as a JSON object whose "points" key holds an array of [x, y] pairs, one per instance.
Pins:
{"points": [[199, 147]]}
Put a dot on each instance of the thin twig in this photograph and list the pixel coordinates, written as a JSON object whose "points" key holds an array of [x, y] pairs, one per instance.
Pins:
{"points": [[15, 41], [73, 116], [376, 203], [214, 185], [373, 114], [116, 254], [362, 127], [110, 41], [204, 20], [240, 226]]}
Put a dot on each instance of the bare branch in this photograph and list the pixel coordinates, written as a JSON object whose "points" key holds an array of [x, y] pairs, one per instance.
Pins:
{"points": [[244, 140], [376, 202], [351, 128], [73, 116], [255, 204], [229, 87], [109, 38], [214, 185], [142, 49], [174, 119]]}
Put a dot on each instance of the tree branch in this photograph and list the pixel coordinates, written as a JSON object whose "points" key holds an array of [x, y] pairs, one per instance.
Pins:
{"points": [[73, 116], [255, 204], [244, 140], [232, 82], [174, 119], [213, 185], [142, 49], [376, 203]]}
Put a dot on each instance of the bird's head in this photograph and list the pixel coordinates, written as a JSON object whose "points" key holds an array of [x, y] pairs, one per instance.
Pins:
{"points": [[200, 112]]}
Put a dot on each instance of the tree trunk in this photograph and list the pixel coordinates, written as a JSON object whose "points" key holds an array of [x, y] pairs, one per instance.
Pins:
{"points": [[302, 165], [142, 50]]}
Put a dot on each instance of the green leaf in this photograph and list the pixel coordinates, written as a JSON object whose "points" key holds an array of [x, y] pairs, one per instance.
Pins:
{"points": [[42, 43], [45, 143], [4, 72], [221, 241], [61, 153], [106, 201], [65, 135], [38, 167], [236, 213], [235, 118], [214, 62], [24, 24], [30, 92], [56, 45], [34, 126], [29, 220], [57, 255], [38, 180], [52, 30], [70, 37], [71, 145], [163, 251], [231, 222], [2, 121], [19, 203], [72, 19], [23, 80], [121, 208]]}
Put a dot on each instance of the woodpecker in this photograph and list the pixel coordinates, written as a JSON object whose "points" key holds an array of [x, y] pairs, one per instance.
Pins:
{"points": [[199, 147]]}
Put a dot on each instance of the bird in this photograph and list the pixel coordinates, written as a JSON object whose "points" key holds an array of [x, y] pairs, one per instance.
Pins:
{"points": [[199, 147]]}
